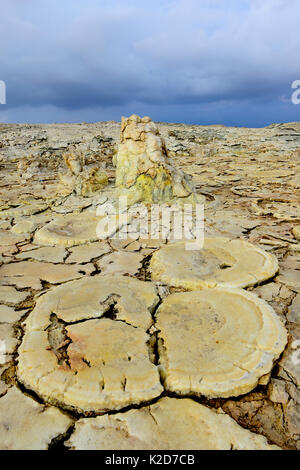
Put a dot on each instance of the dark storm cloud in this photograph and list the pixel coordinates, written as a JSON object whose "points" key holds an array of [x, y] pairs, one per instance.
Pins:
{"points": [[65, 59]]}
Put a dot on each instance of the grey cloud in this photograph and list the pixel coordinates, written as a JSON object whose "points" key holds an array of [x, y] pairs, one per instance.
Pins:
{"points": [[93, 55]]}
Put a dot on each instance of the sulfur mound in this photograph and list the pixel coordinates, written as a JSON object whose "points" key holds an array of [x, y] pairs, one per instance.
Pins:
{"points": [[83, 180], [168, 424], [86, 345], [221, 262], [144, 172], [217, 342]]}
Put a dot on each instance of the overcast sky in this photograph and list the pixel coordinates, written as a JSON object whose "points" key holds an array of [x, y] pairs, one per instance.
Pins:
{"points": [[194, 61]]}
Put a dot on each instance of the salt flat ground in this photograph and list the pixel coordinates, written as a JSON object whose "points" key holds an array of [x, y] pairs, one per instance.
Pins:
{"points": [[250, 179]]}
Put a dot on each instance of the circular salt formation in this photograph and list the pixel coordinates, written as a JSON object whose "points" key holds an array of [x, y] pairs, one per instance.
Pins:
{"points": [[217, 342], [69, 230], [86, 348], [221, 262]]}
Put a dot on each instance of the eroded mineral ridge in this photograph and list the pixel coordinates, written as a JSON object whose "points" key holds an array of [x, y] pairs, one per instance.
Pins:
{"points": [[82, 179], [144, 171]]}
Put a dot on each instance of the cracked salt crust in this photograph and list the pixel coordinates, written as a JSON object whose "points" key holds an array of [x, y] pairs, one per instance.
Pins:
{"points": [[104, 363], [296, 232], [170, 423], [51, 254], [10, 238], [217, 342], [221, 262], [27, 425], [10, 315], [293, 313], [31, 273], [23, 210], [9, 295], [120, 263], [84, 180], [24, 226], [85, 253], [289, 363], [262, 162], [7, 338]]}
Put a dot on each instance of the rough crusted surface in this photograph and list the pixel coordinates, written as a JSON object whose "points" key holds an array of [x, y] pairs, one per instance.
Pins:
{"points": [[69, 230], [221, 262], [250, 181], [296, 232], [27, 425], [9, 315], [51, 254], [120, 263], [144, 172], [81, 179], [72, 356], [217, 342], [85, 253], [9, 295], [31, 273], [168, 424]]}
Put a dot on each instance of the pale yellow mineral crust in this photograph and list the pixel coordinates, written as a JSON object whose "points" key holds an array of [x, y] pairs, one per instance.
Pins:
{"points": [[27, 425], [70, 230], [9, 295], [85, 253], [296, 232], [217, 342], [31, 273], [97, 344], [144, 172], [81, 179], [221, 262], [72, 356], [23, 210], [166, 425], [50, 254]]}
